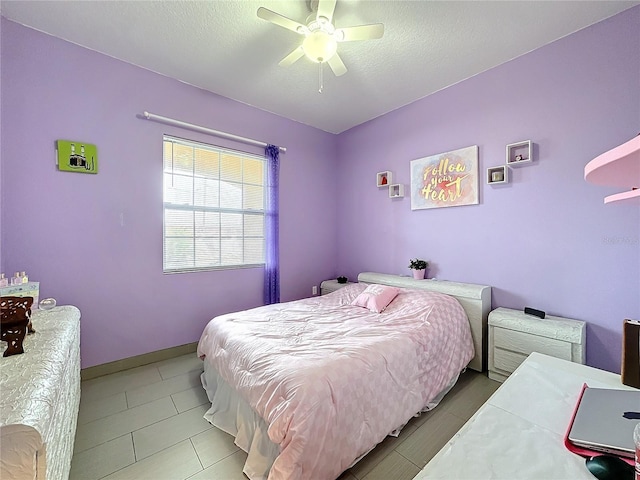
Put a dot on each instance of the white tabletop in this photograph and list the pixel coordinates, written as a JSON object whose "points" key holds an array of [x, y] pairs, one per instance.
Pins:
{"points": [[518, 433]]}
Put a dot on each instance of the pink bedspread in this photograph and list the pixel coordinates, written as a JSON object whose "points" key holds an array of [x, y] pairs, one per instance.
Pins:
{"points": [[332, 380]]}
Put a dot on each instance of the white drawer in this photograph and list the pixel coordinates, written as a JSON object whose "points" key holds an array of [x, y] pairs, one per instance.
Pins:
{"points": [[507, 361], [526, 343]]}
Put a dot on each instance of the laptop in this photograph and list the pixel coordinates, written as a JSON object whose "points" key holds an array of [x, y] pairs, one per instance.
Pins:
{"points": [[605, 421]]}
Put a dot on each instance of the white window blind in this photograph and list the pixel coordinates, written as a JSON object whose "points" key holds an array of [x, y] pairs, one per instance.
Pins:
{"points": [[214, 202]]}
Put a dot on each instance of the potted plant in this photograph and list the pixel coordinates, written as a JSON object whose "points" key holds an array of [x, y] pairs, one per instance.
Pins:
{"points": [[419, 267]]}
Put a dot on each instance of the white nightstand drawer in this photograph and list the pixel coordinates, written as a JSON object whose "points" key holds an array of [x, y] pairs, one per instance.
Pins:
{"points": [[526, 343], [507, 361]]}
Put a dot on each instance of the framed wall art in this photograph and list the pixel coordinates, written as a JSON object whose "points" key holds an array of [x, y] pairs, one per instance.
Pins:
{"points": [[77, 157], [447, 179]]}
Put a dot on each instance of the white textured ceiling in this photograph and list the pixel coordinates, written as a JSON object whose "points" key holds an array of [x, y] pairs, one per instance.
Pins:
{"points": [[223, 47]]}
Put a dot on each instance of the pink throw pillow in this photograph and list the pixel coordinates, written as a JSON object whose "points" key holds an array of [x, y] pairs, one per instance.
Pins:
{"points": [[376, 297]]}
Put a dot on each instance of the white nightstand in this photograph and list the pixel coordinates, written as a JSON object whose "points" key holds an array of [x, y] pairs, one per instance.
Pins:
{"points": [[329, 286], [513, 335]]}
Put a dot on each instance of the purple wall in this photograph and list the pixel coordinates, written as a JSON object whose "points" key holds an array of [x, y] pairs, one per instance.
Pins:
{"points": [[544, 240], [64, 228]]}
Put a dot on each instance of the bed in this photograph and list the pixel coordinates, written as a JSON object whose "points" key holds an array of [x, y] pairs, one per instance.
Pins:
{"points": [[310, 387]]}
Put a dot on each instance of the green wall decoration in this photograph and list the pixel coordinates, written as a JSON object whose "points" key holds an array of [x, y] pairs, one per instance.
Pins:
{"points": [[77, 157]]}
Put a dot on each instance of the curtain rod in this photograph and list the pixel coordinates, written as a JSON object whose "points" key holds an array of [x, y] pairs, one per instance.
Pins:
{"points": [[209, 131]]}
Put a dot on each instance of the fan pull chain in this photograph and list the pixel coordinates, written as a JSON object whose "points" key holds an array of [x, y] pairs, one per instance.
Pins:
{"points": [[321, 84]]}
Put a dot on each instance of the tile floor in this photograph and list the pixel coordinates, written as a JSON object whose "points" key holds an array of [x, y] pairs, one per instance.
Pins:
{"points": [[146, 423]]}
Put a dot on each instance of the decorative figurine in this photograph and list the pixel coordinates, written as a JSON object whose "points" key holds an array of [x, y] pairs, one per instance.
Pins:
{"points": [[15, 322]]}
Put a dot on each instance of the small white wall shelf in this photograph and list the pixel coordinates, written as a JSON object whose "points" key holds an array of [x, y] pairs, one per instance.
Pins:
{"points": [[497, 174], [383, 179], [519, 153], [396, 190]]}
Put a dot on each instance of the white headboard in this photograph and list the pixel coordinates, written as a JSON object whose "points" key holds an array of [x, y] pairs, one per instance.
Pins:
{"points": [[475, 299]]}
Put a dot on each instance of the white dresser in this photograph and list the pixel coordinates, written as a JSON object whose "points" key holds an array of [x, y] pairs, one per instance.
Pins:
{"points": [[513, 335], [40, 398]]}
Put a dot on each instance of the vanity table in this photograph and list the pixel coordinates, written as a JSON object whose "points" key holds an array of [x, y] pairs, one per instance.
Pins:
{"points": [[519, 432]]}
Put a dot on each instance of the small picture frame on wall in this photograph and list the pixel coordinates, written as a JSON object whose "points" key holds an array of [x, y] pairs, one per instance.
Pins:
{"points": [[78, 157]]}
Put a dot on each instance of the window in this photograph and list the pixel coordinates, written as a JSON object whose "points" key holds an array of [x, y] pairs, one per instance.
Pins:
{"points": [[214, 204]]}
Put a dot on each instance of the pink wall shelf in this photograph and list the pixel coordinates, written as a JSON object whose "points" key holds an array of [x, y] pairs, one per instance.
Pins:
{"points": [[619, 167], [632, 197]]}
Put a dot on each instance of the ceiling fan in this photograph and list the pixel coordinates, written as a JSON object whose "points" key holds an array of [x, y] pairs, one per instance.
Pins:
{"points": [[321, 37]]}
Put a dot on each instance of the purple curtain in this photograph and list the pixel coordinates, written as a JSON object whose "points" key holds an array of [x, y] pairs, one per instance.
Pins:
{"points": [[272, 257]]}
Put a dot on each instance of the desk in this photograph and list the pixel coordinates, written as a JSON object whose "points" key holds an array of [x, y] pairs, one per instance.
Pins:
{"points": [[518, 433]]}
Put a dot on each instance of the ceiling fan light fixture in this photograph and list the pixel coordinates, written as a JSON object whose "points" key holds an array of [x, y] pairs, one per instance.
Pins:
{"points": [[319, 46], [321, 37]]}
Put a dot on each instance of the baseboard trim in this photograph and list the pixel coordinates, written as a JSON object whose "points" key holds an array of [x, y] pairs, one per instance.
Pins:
{"points": [[137, 361]]}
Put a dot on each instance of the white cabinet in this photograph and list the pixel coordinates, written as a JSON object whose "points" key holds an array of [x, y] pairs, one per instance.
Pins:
{"points": [[329, 286], [513, 335]]}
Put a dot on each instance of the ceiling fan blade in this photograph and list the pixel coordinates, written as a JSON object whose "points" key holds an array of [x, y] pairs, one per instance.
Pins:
{"points": [[337, 65], [361, 32], [325, 9], [292, 57], [283, 21]]}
